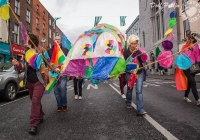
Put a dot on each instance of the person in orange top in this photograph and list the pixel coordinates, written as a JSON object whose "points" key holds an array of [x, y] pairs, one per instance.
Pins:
{"points": [[190, 40]]}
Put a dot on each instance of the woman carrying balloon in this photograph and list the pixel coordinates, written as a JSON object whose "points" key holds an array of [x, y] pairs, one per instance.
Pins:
{"points": [[191, 49], [135, 55]]}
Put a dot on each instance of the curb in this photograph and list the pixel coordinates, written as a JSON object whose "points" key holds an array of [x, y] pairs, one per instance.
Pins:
{"points": [[167, 78]]}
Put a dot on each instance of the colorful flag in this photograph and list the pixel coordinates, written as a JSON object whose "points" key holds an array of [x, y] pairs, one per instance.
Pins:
{"points": [[4, 12], [122, 20], [3, 2], [97, 20], [65, 42], [58, 56], [23, 32], [50, 85]]}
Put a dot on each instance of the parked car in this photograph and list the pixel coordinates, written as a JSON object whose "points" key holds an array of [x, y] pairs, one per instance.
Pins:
{"points": [[10, 81]]}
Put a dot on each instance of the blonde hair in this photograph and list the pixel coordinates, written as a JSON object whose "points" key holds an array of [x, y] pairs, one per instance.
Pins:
{"points": [[132, 38]]}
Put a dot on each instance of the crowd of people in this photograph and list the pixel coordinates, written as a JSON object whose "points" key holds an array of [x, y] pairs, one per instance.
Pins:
{"points": [[35, 81]]}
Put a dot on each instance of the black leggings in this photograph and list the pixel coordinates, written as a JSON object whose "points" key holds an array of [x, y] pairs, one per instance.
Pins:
{"points": [[79, 83], [191, 84]]}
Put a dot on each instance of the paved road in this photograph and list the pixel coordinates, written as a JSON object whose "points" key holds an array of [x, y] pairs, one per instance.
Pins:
{"points": [[102, 115]]}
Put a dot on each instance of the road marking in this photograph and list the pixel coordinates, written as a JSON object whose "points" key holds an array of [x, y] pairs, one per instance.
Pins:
{"points": [[161, 129], [116, 84], [13, 101], [93, 86], [173, 85], [71, 87]]}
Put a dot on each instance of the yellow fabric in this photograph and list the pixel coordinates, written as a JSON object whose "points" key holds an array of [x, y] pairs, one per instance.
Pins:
{"points": [[29, 54], [168, 31], [4, 12], [21, 84]]}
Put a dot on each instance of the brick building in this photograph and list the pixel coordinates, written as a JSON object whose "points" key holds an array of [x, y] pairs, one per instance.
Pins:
{"points": [[40, 22], [22, 10]]}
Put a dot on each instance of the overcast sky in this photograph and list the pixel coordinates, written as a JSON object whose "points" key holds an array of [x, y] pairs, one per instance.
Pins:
{"points": [[78, 16]]}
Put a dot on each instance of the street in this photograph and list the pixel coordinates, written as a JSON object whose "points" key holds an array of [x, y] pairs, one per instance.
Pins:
{"points": [[102, 115]]}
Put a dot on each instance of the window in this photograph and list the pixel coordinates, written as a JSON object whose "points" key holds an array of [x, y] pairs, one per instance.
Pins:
{"points": [[43, 27], [37, 23], [28, 16], [49, 21], [186, 25], [49, 33], [28, 1], [50, 45], [37, 8], [16, 34], [163, 22], [54, 26], [17, 7], [158, 26], [43, 15]]}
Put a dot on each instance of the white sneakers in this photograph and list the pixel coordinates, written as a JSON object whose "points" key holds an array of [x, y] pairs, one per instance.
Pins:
{"points": [[198, 102], [78, 97], [123, 96], [187, 99]]}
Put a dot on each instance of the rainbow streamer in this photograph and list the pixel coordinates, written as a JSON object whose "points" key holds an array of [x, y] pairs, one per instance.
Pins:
{"points": [[51, 85], [57, 56]]}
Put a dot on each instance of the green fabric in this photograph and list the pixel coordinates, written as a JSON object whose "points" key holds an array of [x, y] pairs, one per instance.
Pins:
{"points": [[157, 51], [88, 70], [119, 67]]}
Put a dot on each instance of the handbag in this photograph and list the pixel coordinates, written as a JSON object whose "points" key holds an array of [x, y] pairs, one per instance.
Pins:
{"points": [[195, 68]]}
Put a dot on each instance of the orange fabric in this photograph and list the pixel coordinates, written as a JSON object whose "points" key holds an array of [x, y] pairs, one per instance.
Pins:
{"points": [[180, 80], [185, 47]]}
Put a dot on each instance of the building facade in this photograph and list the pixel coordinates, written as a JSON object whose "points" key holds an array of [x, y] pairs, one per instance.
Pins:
{"points": [[155, 16], [22, 9], [4, 45], [40, 23], [134, 29], [52, 30]]}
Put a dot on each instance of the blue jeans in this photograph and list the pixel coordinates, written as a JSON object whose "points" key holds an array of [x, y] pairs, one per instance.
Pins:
{"points": [[139, 96], [60, 91]]}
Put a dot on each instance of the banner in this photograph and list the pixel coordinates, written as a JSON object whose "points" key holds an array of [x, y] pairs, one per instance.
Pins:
{"points": [[122, 20], [97, 20]]}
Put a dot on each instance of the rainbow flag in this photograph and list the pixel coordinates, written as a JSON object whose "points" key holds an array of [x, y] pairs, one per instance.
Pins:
{"points": [[58, 56], [50, 85]]}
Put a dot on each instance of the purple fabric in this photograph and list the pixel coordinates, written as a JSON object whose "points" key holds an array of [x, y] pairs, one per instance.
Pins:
{"points": [[197, 52], [76, 68], [167, 45], [190, 54], [165, 59], [32, 60], [23, 32]]}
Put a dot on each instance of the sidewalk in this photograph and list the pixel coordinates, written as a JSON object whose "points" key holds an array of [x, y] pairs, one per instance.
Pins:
{"points": [[168, 77]]}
